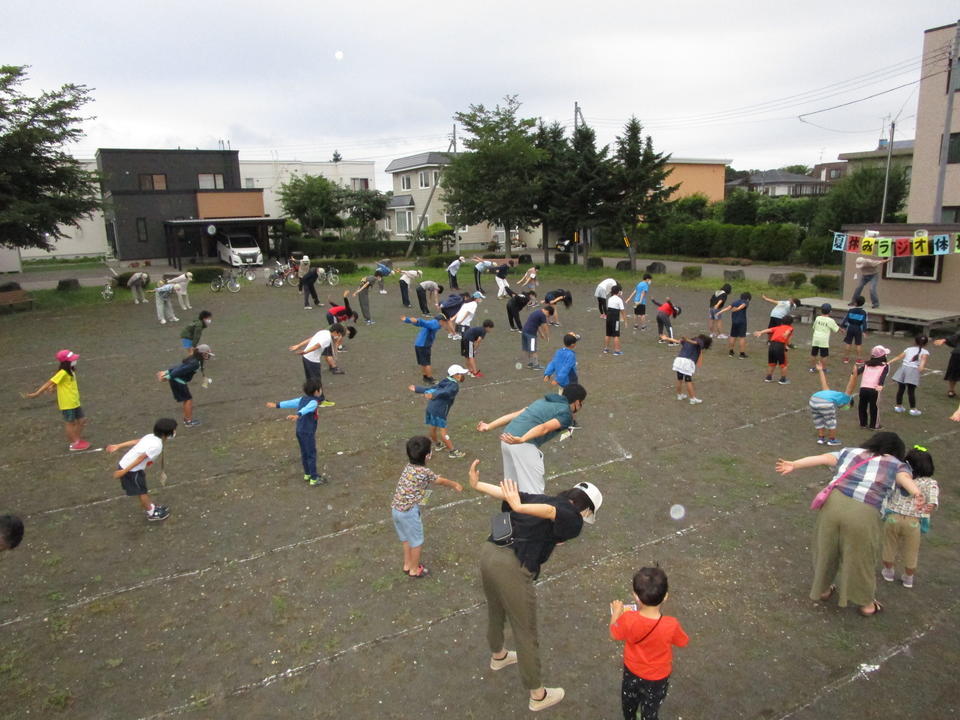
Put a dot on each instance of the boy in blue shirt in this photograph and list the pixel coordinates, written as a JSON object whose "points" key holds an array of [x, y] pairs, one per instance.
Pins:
{"points": [[306, 416], [442, 396], [562, 370], [855, 322], [423, 345], [535, 327], [738, 323], [639, 298], [824, 404]]}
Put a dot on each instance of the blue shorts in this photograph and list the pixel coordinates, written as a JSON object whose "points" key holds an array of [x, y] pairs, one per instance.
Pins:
{"points": [[435, 421], [72, 414], [528, 343], [738, 330], [186, 343], [854, 336], [423, 354], [408, 525]]}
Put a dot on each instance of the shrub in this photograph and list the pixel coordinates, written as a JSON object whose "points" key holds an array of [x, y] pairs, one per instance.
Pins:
{"points": [[818, 250], [797, 278], [8, 286], [826, 283], [594, 262], [689, 272], [292, 227], [334, 248], [205, 273], [525, 259], [68, 284], [344, 266], [441, 261], [561, 258]]}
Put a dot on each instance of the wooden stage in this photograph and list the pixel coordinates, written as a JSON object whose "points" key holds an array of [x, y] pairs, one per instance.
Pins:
{"points": [[886, 318]]}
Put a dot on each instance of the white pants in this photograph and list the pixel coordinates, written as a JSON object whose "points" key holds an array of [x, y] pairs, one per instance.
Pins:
{"points": [[164, 308], [138, 296], [502, 286], [183, 298], [523, 464]]}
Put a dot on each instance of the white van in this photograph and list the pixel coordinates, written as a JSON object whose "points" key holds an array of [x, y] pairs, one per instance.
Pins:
{"points": [[237, 250]]}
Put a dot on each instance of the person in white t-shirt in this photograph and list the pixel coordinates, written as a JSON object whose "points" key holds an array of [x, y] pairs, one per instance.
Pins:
{"points": [[319, 347], [131, 470], [464, 316], [602, 293], [407, 277], [614, 320], [452, 270]]}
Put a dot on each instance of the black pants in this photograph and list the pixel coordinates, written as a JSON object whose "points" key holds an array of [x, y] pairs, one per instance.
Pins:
{"points": [[645, 696], [868, 404], [664, 326], [309, 290], [422, 299], [453, 281], [476, 279], [911, 394], [513, 317], [405, 294], [602, 304]]}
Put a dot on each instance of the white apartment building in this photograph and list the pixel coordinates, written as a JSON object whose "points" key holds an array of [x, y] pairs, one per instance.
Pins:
{"points": [[269, 175]]}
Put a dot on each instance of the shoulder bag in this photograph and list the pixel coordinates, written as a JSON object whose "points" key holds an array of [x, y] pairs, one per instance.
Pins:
{"points": [[822, 496]]}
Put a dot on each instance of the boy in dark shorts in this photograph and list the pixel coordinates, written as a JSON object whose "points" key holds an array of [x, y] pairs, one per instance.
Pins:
{"points": [[180, 375], [470, 342], [442, 396], [131, 470], [855, 322], [777, 349], [306, 407], [423, 345], [639, 297], [738, 323], [717, 301], [615, 316], [535, 327]]}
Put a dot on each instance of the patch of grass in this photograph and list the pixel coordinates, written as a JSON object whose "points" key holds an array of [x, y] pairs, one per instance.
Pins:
{"points": [[114, 662], [57, 299], [55, 596], [58, 699], [843, 640], [34, 264], [51, 561], [278, 609], [384, 582], [60, 625]]}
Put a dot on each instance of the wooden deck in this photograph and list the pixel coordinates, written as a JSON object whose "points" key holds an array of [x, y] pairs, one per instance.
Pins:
{"points": [[886, 318]]}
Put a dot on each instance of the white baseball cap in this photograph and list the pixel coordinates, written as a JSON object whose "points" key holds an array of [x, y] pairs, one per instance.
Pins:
{"points": [[457, 370], [596, 497]]}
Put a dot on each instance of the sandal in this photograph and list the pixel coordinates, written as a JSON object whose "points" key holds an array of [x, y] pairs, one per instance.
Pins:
{"points": [[423, 572], [825, 597], [877, 608]]}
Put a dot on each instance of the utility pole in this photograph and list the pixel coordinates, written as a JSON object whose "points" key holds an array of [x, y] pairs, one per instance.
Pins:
{"points": [[947, 123], [454, 137], [886, 176], [423, 214]]}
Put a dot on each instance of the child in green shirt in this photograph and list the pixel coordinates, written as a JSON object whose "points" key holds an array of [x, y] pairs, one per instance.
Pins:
{"points": [[820, 345]]}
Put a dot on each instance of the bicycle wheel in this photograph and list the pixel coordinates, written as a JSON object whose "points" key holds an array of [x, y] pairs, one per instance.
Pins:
{"points": [[292, 279], [217, 283], [107, 293], [233, 285], [333, 276], [250, 274]]}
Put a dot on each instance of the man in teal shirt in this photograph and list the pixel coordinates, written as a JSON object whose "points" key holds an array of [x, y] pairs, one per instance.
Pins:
{"points": [[527, 429]]}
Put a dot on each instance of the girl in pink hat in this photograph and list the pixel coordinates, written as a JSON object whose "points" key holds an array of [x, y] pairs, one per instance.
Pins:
{"points": [[64, 382], [872, 376]]}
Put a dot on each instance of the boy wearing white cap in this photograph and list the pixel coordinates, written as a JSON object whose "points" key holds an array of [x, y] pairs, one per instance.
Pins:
{"points": [[442, 396]]}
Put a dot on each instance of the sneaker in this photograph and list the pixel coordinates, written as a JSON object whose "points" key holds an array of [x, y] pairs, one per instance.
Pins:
{"points": [[439, 446], [618, 352], [722, 336], [768, 378], [834, 442], [507, 661], [163, 322], [551, 697], [682, 396], [605, 351], [327, 403], [784, 381], [159, 512], [318, 480], [637, 327], [899, 408], [456, 454], [821, 441], [743, 356], [191, 423], [176, 319], [813, 370], [456, 337], [661, 342], [341, 348], [337, 371], [307, 307], [81, 445], [383, 292], [907, 581], [846, 361], [915, 412], [731, 353], [536, 366], [478, 374], [371, 322], [643, 327], [889, 574], [306, 478], [695, 401]]}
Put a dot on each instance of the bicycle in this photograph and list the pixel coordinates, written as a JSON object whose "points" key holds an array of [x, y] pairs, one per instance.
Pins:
{"points": [[277, 276], [330, 276], [230, 281], [250, 274], [107, 292]]}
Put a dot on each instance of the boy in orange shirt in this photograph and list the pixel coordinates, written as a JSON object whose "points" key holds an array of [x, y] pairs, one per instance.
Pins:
{"points": [[647, 636], [777, 349]]}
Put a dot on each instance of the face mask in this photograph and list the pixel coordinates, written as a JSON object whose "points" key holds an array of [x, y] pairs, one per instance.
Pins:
{"points": [[73, 363], [207, 322]]}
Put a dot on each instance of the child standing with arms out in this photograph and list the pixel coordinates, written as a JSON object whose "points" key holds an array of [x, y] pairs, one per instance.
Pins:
{"points": [[824, 404], [529, 282], [647, 635], [307, 407], [614, 318], [64, 381], [442, 396], [470, 344], [562, 370], [132, 468], [777, 349], [820, 345], [180, 375], [907, 375], [423, 345], [411, 492], [873, 375], [855, 322], [717, 301], [190, 335], [639, 298], [738, 323], [686, 363], [903, 522]]}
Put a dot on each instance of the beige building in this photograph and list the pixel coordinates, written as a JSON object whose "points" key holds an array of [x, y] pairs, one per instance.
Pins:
{"points": [[697, 176], [900, 156], [269, 175]]}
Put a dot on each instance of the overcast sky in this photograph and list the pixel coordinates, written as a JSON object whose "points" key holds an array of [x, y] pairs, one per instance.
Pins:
{"points": [[379, 80]]}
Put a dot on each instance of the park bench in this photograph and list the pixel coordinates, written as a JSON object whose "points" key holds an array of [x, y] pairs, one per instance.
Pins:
{"points": [[14, 298]]}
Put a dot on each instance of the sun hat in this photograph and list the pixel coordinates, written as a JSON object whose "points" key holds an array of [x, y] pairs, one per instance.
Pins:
{"points": [[879, 351], [67, 356], [205, 349], [596, 497], [457, 370]]}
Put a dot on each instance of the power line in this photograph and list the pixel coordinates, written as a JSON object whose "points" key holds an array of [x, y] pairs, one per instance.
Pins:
{"points": [[869, 97]]}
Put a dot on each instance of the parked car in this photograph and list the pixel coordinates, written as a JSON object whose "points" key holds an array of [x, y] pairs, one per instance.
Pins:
{"points": [[237, 250]]}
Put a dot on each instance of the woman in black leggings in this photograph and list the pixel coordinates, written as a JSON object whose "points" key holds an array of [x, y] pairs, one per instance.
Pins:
{"points": [[516, 303]]}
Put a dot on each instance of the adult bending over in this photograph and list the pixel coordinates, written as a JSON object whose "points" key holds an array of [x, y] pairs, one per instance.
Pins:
{"points": [[849, 529], [508, 570]]}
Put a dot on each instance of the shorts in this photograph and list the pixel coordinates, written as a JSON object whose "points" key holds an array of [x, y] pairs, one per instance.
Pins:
{"points": [[134, 482], [467, 348], [713, 314], [408, 525], [449, 312], [327, 351], [181, 391], [640, 309], [613, 327], [684, 368], [854, 336], [186, 343], [821, 351], [423, 354], [738, 330], [777, 354], [330, 319], [435, 420], [528, 343], [824, 414], [774, 321], [953, 368], [73, 414]]}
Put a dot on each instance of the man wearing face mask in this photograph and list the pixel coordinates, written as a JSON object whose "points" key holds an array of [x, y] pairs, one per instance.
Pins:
{"points": [[190, 336]]}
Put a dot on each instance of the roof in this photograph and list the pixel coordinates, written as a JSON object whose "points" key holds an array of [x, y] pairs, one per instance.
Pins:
{"points": [[698, 161], [426, 159], [400, 201], [900, 147], [779, 177]]}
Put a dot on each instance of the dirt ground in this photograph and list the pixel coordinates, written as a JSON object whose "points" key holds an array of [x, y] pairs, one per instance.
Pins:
{"points": [[262, 597]]}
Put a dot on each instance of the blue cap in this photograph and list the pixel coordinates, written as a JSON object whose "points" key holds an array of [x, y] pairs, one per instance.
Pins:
{"points": [[479, 296]]}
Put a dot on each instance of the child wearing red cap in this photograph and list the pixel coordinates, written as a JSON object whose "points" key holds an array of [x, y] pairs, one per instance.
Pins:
{"points": [[64, 382]]}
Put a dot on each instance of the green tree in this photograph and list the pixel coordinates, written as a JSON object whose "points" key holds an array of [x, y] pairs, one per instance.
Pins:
{"points": [[741, 208], [314, 201], [42, 188], [495, 180], [640, 193], [692, 208], [364, 207], [337, 157], [797, 169], [590, 186], [858, 197], [554, 165]]}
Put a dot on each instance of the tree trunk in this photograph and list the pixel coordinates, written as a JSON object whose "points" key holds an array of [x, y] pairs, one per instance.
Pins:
{"points": [[545, 226], [507, 240], [586, 244], [632, 252]]}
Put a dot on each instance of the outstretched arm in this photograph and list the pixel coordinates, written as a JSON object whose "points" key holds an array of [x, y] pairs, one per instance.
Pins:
{"points": [[499, 422], [49, 386], [785, 467], [823, 376], [534, 432]]}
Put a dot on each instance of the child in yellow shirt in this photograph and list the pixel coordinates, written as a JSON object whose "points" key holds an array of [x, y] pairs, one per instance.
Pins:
{"points": [[64, 382]]}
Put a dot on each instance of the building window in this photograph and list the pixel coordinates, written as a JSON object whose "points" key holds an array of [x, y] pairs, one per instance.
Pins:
{"points": [[436, 177], [834, 174], [950, 214], [359, 183], [153, 182], [424, 179], [953, 152], [405, 183], [250, 183], [404, 221], [915, 267], [141, 230], [210, 181]]}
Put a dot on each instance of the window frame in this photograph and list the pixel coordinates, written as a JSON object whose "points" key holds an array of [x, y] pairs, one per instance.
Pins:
{"points": [[218, 183], [420, 176], [152, 178], [890, 274], [406, 182], [143, 236], [408, 217], [359, 183]]}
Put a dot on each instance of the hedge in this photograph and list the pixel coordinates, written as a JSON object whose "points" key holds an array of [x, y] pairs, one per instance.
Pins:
{"points": [[772, 242], [689, 272], [826, 283], [441, 261], [359, 249], [561, 258], [345, 267]]}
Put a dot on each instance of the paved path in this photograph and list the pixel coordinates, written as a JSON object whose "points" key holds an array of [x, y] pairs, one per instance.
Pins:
{"points": [[88, 277]]}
